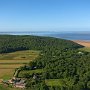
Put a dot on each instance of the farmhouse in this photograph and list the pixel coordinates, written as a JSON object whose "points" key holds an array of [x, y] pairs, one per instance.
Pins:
{"points": [[18, 82]]}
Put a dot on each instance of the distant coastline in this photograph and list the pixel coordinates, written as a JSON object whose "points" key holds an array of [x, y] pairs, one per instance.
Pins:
{"points": [[85, 36]]}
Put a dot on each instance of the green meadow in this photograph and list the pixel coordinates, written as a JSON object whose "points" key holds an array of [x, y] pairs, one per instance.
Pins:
{"points": [[10, 61], [87, 49], [30, 72], [4, 87], [59, 82]]}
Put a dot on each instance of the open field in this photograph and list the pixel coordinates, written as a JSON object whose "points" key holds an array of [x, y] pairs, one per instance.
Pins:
{"points": [[19, 55], [10, 61], [7, 66], [6, 73], [30, 72], [85, 49], [4, 87], [14, 61], [59, 82], [54, 82]]}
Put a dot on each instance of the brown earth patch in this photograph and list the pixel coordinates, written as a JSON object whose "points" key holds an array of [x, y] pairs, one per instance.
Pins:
{"points": [[82, 42]]}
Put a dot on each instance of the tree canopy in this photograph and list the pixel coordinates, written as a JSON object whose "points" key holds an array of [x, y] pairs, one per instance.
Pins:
{"points": [[59, 59]]}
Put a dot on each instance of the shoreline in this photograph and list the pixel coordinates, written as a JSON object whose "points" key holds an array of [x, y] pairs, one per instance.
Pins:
{"points": [[85, 43]]}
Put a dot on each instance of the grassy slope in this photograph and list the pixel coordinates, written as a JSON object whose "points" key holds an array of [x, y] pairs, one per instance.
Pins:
{"points": [[19, 55], [4, 87], [59, 82], [10, 61], [85, 49], [30, 72]]}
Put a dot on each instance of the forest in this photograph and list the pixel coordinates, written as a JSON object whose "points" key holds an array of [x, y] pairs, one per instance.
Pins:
{"points": [[61, 65]]}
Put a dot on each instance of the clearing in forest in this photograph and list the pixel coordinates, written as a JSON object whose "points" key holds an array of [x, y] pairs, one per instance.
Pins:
{"points": [[10, 61]]}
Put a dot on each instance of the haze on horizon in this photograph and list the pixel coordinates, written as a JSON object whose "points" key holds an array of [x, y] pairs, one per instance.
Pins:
{"points": [[44, 15]]}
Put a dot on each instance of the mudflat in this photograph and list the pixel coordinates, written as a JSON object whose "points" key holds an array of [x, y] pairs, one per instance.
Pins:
{"points": [[83, 42]]}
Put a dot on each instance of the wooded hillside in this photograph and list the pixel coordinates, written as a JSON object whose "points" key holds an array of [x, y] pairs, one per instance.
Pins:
{"points": [[60, 61]]}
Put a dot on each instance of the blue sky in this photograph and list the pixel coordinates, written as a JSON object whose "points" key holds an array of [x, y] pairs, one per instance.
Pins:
{"points": [[21, 15]]}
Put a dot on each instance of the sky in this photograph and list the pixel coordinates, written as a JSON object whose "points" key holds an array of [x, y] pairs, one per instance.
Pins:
{"points": [[39, 15]]}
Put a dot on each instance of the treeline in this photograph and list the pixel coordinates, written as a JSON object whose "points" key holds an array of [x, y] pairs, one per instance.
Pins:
{"points": [[10, 43]]}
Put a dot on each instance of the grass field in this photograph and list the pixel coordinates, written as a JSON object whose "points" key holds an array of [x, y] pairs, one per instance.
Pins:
{"points": [[59, 82], [85, 49], [30, 72], [54, 82], [19, 55], [3, 87], [10, 61]]}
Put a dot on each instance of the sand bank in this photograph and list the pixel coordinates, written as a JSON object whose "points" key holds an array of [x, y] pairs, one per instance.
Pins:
{"points": [[83, 42]]}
